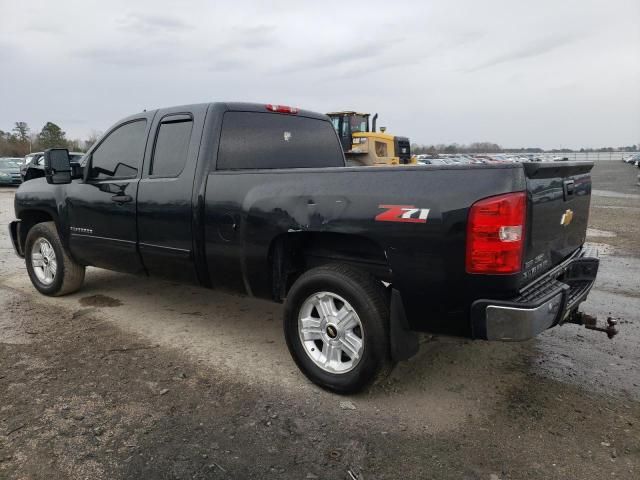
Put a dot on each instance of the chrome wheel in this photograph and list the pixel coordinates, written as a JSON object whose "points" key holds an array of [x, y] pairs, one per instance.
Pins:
{"points": [[43, 261], [331, 332]]}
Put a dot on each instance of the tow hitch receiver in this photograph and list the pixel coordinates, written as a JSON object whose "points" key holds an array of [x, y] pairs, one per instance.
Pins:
{"points": [[591, 322]]}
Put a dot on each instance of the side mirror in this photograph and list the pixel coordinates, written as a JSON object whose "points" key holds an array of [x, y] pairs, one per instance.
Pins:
{"points": [[57, 166]]}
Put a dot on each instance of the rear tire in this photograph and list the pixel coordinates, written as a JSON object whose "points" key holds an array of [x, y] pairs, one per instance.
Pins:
{"points": [[336, 324], [51, 270]]}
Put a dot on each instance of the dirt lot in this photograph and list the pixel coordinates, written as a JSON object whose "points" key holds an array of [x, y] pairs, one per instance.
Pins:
{"points": [[145, 379]]}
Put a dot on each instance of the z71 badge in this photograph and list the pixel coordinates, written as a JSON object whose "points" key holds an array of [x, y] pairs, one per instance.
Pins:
{"points": [[402, 213]]}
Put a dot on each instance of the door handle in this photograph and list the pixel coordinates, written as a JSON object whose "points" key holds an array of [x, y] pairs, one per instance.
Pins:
{"points": [[122, 198], [568, 188]]}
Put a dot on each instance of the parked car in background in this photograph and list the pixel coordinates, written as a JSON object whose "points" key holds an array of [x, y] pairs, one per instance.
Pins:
{"points": [[433, 161], [10, 171], [33, 166], [31, 161], [423, 158], [633, 158]]}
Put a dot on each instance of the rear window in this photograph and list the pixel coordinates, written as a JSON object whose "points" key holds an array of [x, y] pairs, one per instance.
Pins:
{"points": [[252, 140]]}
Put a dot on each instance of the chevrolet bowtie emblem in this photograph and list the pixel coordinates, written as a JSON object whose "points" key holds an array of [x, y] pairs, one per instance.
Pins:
{"points": [[566, 217]]}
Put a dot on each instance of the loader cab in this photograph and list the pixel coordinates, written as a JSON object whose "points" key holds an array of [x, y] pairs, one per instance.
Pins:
{"points": [[348, 123], [364, 145]]}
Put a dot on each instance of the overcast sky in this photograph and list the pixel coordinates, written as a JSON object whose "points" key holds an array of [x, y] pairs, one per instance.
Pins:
{"points": [[553, 73]]}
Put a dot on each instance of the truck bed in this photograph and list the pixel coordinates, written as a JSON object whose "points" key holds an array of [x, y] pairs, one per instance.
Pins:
{"points": [[425, 261]]}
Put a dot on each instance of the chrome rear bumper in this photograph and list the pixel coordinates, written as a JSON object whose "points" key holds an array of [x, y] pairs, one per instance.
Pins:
{"points": [[544, 303]]}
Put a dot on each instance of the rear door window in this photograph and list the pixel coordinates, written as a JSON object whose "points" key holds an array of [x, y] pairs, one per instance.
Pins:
{"points": [[172, 146], [253, 140]]}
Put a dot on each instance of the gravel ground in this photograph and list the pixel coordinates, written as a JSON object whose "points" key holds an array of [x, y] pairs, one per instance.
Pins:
{"points": [[146, 379]]}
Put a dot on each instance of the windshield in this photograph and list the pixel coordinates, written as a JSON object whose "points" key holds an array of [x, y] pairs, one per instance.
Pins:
{"points": [[8, 163], [359, 123]]}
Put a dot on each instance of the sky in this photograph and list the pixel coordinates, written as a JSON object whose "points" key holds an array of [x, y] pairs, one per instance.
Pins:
{"points": [[553, 74]]}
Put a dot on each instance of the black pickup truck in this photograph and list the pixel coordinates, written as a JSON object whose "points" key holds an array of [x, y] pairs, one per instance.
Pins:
{"points": [[257, 199]]}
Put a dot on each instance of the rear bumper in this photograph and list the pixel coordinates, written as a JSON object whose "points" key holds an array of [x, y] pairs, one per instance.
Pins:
{"points": [[544, 303]]}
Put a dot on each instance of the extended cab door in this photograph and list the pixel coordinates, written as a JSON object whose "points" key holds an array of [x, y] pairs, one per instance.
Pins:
{"points": [[102, 210], [165, 194]]}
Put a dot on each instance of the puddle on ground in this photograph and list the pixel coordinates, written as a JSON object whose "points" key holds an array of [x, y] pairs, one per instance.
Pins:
{"points": [[617, 207], [100, 301], [608, 193], [594, 232]]}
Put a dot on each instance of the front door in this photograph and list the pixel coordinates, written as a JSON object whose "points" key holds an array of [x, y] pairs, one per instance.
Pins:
{"points": [[102, 210]]}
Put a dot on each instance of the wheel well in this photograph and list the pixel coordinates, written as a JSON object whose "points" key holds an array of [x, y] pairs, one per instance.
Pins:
{"points": [[28, 219], [291, 254]]}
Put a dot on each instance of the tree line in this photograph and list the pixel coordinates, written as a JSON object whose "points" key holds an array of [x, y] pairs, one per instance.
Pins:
{"points": [[489, 147], [21, 140], [477, 147]]}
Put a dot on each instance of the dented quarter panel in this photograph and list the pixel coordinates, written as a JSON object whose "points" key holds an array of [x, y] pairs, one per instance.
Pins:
{"points": [[425, 258]]}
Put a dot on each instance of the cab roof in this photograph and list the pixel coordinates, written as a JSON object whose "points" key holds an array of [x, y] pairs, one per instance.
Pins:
{"points": [[236, 107], [348, 112]]}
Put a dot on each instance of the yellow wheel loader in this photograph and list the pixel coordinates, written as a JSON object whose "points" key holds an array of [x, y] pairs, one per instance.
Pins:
{"points": [[366, 146]]}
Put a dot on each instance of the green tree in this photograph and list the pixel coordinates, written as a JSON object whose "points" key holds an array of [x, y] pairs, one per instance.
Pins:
{"points": [[21, 131], [3, 143], [453, 148], [51, 136], [21, 139]]}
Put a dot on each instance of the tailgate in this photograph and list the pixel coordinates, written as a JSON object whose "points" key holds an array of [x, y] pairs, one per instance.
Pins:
{"points": [[559, 196]]}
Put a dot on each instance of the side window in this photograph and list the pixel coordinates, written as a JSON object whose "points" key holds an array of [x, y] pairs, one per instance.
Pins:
{"points": [[381, 149], [269, 140], [172, 146], [120, 154]]}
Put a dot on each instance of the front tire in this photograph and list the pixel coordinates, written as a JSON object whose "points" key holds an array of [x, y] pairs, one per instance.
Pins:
{"points": [[51, 270], [336, 325]]}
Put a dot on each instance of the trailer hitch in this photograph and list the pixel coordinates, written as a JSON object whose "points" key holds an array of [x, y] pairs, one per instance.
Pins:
{"points": [[591, 322]]}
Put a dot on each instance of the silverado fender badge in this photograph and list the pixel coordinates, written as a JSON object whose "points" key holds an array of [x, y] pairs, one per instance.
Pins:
{"points": [[402, 213], [81, 230], [566, 217]]}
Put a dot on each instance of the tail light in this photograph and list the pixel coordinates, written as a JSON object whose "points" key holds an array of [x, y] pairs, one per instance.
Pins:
{"points": [[495, 234], [282, 109]]}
